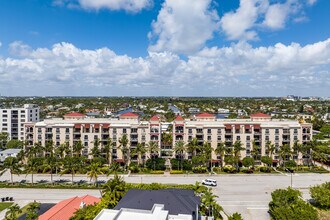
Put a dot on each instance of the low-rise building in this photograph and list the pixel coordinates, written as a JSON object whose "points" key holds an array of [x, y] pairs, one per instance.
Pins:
{"points": [[8, 153]]}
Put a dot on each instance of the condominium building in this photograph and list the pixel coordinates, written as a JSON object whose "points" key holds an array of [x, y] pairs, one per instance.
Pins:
{"points": [[12, 120], [259, 130]]}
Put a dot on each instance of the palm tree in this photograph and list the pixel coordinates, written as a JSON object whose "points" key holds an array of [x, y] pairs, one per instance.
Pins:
{"points": [[60, 150], [270, 149], [49, 148], [95, 152], [255, 151], [107, 150], [115, 188], [94, 169], [71, 165], [123, 142], [193, 146], [237, 151], [32, 166], [208, 202], [35, 150], [50, 164], [153, 148], [32, 211], [13, 212], [12, 165], [285, 152], [77, 148], [220, 150], [180, 148], [139, 151], [297, 149], [207, 152]]}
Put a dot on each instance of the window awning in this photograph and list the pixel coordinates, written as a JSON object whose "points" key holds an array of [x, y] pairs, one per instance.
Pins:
{"points": [[247, 126], [228, 126], [256, 126], [237, 126], [77, 126], [87, 125], [106, 125], [96, 125]]}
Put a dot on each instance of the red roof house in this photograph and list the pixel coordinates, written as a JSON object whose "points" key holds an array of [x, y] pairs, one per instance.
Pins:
{"points": [[154, 118], [74, 115], [260, 117], [129, 115], [179, 118], [65, 209]]}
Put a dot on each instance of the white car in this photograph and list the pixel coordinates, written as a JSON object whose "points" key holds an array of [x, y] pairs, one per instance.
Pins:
{"points": [[209, 182]]}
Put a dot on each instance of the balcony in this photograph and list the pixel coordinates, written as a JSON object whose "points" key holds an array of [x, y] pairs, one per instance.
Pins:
{"points": [[228, 131]]}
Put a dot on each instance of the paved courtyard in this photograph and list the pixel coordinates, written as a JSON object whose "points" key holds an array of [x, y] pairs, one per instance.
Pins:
{"points": [[246, 194]]}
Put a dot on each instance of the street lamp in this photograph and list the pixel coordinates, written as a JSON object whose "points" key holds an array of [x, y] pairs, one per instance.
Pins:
{"points": [[291, 172]]}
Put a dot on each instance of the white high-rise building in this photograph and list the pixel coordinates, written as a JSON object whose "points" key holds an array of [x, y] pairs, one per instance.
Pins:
{"points": [[12, 120]]}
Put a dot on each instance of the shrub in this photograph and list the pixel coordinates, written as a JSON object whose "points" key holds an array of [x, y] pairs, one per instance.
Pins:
{"points": [[248, 162], [229, 169], [246, 170], [287, 204], [235, 216], [216, 169], [176, 172], [157, 164], [157, 172], [199, 169], [290, 163], [321, 195], [133, 167], [265, 169]]}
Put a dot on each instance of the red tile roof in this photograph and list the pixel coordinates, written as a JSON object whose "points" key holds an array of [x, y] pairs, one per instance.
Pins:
{"points": [[65, 209], [154, 118], [74, 114], [129, 114], [260, 115], [178, 118], [204, 115]]}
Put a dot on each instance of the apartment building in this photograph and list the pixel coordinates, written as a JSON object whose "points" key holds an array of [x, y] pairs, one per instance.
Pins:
{"points": [[12, 120], [75, 127], [256, 131]]}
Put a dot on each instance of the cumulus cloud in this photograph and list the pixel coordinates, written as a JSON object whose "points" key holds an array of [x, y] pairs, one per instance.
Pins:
{"points": [[254, 15], [183, 26], [311, 2], [239, 69], [133, 6]]}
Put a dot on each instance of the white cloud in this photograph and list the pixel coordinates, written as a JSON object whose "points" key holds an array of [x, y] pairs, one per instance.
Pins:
{"points": [[238, 69], [0, 43], [311, 2], [255, 15], [133, 6], [18, 48], [183, 26], [238, 24]]}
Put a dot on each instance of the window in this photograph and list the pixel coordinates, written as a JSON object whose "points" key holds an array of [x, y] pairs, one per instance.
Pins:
{"points": [[5, 116], [277, 131], [219, 138], [248, 145], [209, 138], [86, 137], [189, 138], [238, 138], [57, 137], [95, 137], [219, 131], [143, 138], [67, 137], [209, 130], [39, 130], [276, 138], [57, 130], [295, 138], [248, 138], [114, 130], [67, 130], [190, 131], [267, 138], [124, 130], [4, 120], [267, 131], [4, 124], [295, 131], [86, 144]]}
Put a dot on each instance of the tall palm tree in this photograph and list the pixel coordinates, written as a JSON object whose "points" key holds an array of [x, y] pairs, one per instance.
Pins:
{"points": [[50, 164], [256, 151], [285, 153], [297, 149], [114, 190], [12, 165], [220, 150], [94, 170], [237, 151], [193, 146], [107, 150], [180, 149], [123, 142], [208, 202], [71, 165], [49, 148], [153, 148], [32, 166], [32, 211], [60, 150], [13, 212], [77, 148], [139, 151], [207, 152], [96, 148]]}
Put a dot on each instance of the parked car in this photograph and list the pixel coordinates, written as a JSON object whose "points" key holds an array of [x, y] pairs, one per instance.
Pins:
{"points": [[209, 182]]}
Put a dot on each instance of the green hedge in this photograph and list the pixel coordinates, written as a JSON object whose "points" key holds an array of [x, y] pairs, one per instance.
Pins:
{"points": [[176, 172], [157, 172]]}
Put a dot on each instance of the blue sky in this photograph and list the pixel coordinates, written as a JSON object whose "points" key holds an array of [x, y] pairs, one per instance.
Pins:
{"points": [[170, 47]]}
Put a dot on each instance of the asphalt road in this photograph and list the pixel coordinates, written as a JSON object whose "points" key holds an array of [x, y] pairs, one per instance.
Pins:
{"points": [[246, 194]]}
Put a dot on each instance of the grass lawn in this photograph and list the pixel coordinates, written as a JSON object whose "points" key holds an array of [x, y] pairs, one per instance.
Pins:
{"points": [[4, 205], [323, 214]]}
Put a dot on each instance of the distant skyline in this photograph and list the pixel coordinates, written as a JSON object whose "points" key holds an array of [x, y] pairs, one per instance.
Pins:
{"points": [[250, 48]]}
